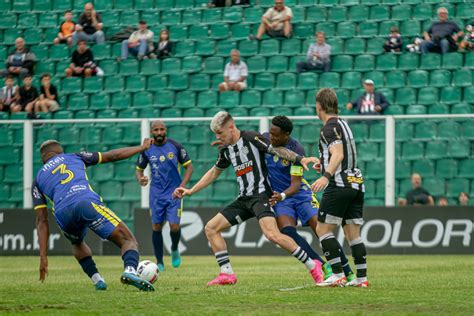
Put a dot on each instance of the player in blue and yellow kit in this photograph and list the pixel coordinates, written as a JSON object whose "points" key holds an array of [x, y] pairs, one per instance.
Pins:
{"points": [[292, 197], [63, 181], [164, 157]]}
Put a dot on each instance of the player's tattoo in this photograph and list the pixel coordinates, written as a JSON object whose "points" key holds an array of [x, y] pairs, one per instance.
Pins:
{"points": [[284, 153]]}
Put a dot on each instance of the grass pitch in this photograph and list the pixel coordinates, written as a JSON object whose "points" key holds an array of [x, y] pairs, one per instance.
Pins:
{"points": [[398, 285]]}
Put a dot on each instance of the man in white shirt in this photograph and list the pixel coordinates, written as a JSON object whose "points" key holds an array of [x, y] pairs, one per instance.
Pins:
{"points": [[235, 74], [276, 21], [139, 43]]}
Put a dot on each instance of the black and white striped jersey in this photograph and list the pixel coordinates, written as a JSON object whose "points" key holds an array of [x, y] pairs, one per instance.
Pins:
{"points": [[347, 175], [247, 157]]}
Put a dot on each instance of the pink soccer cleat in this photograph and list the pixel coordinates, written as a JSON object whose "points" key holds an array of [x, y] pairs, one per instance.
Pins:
{"points": [[223, 279], [317, 272]]}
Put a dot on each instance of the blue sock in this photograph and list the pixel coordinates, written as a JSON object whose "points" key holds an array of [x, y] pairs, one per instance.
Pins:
{"points": [[291, 232], [345, 264], [157, 238], [175, 236], [130, 259], [88, 266]]}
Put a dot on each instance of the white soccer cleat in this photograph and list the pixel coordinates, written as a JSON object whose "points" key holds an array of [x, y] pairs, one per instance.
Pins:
{"points": [[358, 283], [333, 281]]}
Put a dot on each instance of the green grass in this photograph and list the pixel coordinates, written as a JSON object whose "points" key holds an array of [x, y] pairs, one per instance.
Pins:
{"points": [[398, 285]]}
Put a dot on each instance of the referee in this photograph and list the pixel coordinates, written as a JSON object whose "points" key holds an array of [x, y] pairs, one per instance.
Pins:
{"points": [[343, 198]]}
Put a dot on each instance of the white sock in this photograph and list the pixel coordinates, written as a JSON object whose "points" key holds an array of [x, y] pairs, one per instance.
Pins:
{"points": [[96, 278], [310, 264], [227, 268], [131, 270], [339, 275]]}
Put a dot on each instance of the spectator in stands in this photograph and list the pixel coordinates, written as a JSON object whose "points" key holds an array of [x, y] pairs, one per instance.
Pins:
{"points": [[27, 97], [139, 44], [394, 41], [89, 26], [235, 74], [66, 29], [21, 61], [371, 102], [276, 22], [82, 62], [443, 201], [48, 99], [164, 47], [317, 57], [418, 195], [468, 41], [442, 36], [226, 3], [8, 95], [463, 199]]}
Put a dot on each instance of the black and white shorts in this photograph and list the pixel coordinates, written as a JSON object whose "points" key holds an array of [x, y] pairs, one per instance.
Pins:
{"points": [[341, 206], [246, 207]]}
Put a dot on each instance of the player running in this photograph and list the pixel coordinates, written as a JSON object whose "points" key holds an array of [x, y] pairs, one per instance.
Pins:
{"points": [[343, 198], [63, 181], [245, 151], [164, 157], [292, 198]]}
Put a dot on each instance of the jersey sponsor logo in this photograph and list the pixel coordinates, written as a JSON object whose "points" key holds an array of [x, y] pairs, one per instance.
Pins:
{"points": [[86, 154], [153, 159], [352, 179], [162, 158], [36, 193], [170, 156], [183, 153], [244, 168]]}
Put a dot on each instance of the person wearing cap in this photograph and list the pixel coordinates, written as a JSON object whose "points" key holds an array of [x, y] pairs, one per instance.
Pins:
{"points": [[139, 43], [371, 102]]}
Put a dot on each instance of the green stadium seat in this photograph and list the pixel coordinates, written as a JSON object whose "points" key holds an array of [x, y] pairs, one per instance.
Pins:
{"points": [[71, 85], [359, 13], [307, 81], [368, 29], [355, 46], [299, 14], [351, 80], [360, 130], [380, 13], [291, 47], [199, 82], [190, 16], [248, 48], [171, 66], [364, 63], [452, 61], [214, 65], [405, 96], [191, 64], [131, 191], [162, 4], [440, 78], [286, 81], [401, 12], [343, 97], [435, 186], [164, 98], [114, 84], [256, 64], [387, 62], [428, 95], [305, 30], [83, 114], [199, 31], [329, 80], [446, 168], [462, 78], [410, 28], [109, 67], [264, 81], [368, 151], [219, 31], [422, 12], [178, 82], [5, 5], [304, 111], [465, 10], [277, 64], [467, 167], [240, 31], [459, 149], [402, 169], [184, 48], [232, 15], [157, 82], [21, 5], [58, 52], [412, 150], [269, 47], [438, 108], [78, 102], [229, 99], [329, 28], [403, 131], [120, 100], [436, 149], [208, 99], [456, 186], [346, 29], [408, 62], [111, 190], [418, 78], [253, 14], [451, 95], [170, 17], [101, 51], [425, 130], [251, 98], [449, 130], [185, 99], [193, 112], [469, 94], [337, 14], [129, 18], [178, 32], [294, 98], [469, 61], [424, 167], [212, 16], [143, 99], [315, 14], [341, 63], [100, 101], [135, 83], [272, 98], [128, 67], [224, 47], [461, 108], [395, 79], [41, 53], [430, 61]]}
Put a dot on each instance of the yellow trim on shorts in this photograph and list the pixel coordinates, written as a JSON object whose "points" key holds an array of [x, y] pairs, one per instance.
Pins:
{"points": [[40, 206], [107, 213]]}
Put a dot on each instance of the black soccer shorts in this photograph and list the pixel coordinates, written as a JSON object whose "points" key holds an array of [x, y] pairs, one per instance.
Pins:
{"points": [[341, 206], [246, 207]]}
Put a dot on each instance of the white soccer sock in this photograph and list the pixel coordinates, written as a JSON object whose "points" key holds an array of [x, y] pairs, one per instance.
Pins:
{"points": [[227, 268], [302, 256], [131, 270], [96, 278]]}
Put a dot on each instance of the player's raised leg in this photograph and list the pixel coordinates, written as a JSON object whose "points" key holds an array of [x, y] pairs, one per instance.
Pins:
{"points": [[83, 255], [213, 231], [270, 230]]}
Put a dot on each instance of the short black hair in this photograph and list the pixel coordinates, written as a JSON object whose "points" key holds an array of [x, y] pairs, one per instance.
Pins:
{"points": [[67, 11], [142, 22], [47, 145], [9, 77], [28, 76], [45, 75], [284, 123]]}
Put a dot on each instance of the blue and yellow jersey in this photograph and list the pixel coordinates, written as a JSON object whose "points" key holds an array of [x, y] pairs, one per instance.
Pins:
{"points": [[63, 180], [280, 170], [164, 162]]}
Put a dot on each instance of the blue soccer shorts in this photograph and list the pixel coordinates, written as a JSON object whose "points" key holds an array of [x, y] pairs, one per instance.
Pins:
{"points": [[298, 208], [166, 209], [91, 214]]}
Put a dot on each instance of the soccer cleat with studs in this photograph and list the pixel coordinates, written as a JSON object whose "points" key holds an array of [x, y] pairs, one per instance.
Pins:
{"points": [[139, 283], [223, 279], [333, 281]]}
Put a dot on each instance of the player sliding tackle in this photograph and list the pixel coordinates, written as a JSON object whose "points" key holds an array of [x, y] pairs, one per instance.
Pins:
{"points": [[63, 181], [245, 151]]}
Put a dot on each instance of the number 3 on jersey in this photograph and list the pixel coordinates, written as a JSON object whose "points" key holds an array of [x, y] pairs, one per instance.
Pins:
{"points": [[62, 168]]}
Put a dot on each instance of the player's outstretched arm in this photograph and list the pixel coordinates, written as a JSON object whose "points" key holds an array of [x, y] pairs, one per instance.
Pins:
{"points": [[126, 152], [337, 156], [42, 228], [209, 177], [290, 155]]}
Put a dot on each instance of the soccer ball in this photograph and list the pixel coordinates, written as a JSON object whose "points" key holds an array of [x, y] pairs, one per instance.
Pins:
{"points": [[148, 270]]}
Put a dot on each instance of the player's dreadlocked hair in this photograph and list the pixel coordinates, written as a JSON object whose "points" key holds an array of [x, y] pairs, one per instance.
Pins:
{"points": [[327, 98], [283, 122]]}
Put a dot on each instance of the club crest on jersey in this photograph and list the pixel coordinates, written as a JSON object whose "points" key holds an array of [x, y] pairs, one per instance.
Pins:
{"points": [[285, 162], [245, 150], [170, 155], [162, 158]]}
